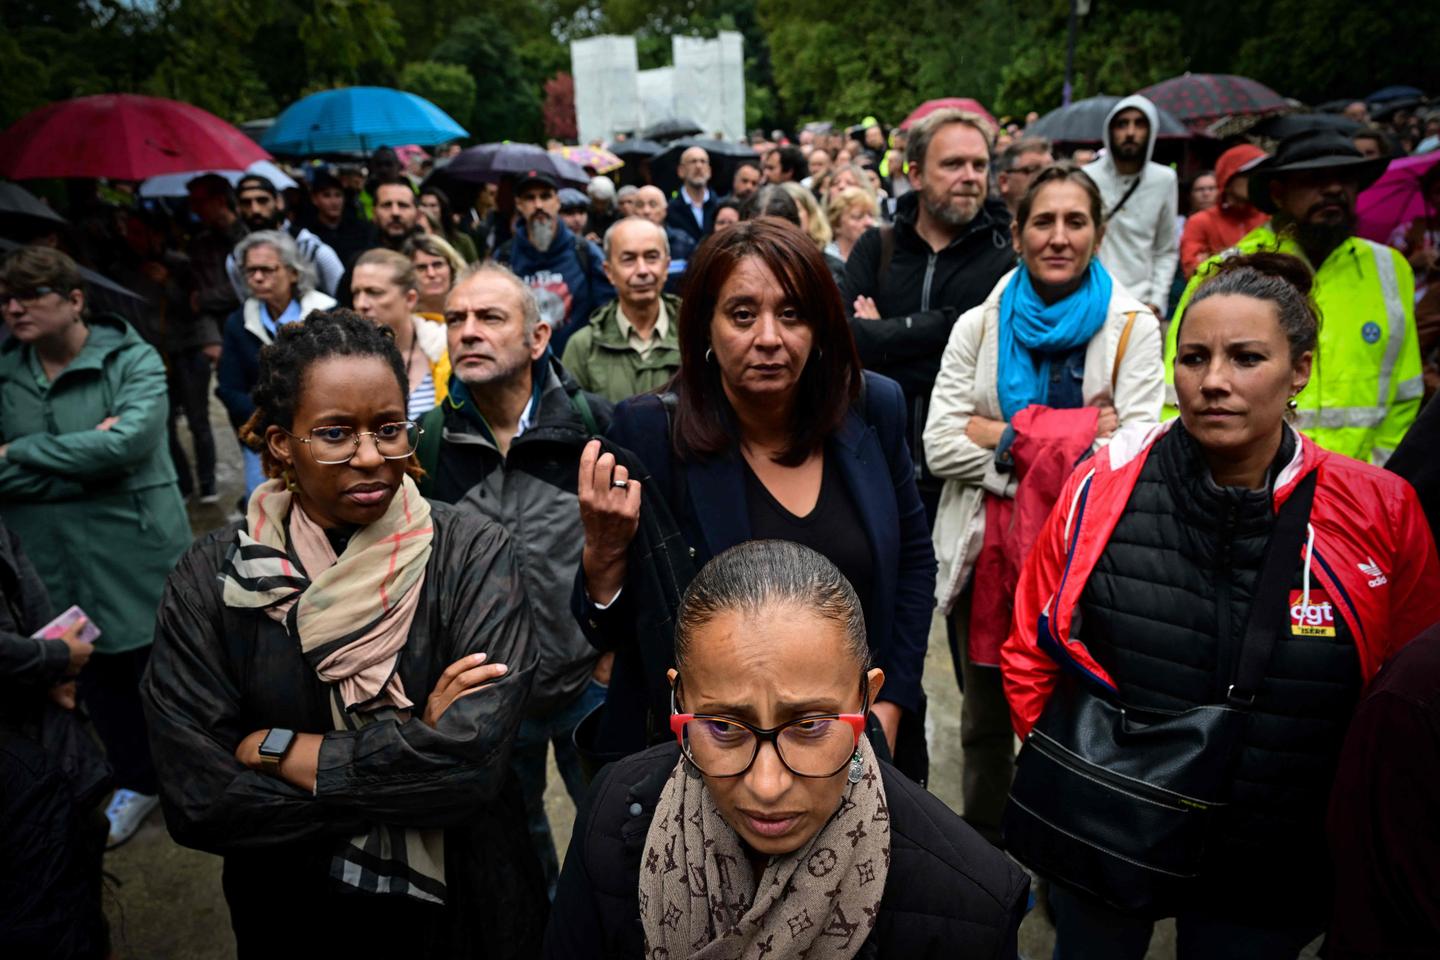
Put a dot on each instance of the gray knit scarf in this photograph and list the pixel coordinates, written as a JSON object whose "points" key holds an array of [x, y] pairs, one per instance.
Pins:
{"points": [[700, 899]]}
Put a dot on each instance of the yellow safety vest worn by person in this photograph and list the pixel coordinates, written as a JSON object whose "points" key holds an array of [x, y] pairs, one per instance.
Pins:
{"points": [[1365, 386]]}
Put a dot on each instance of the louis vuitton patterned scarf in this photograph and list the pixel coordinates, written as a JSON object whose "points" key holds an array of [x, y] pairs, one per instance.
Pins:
{"points": [[700, 899]]}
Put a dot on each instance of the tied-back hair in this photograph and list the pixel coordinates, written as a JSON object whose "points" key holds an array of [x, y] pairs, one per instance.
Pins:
{"points": [[1062, 171], [401, 267], [322, 335], [704, 421], [1277, 278], [761, 573]]}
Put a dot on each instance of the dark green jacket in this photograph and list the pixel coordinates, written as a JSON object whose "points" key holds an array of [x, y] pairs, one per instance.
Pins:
{"points": [[98, 511], [601, 361]]}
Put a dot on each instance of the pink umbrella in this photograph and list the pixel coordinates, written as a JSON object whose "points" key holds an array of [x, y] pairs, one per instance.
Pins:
{"points": [[1395, 199], [959, 103]]}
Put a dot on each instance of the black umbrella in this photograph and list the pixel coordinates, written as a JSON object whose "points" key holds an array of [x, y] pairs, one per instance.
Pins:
{"points": [[22, 215], [1084, 122], [1390, 94], [636, 148], [672, 129], [1287, 125], [493, 162], [725, 157], [90, 276]]}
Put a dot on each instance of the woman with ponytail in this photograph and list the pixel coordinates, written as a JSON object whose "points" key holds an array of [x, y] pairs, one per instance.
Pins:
{"points": [[338, 677]]}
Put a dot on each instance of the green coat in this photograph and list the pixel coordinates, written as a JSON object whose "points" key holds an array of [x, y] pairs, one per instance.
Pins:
{"points": [[98, 511], [601, 361]]}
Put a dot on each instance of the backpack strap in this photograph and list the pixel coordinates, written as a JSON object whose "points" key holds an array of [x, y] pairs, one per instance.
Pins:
{"points": [[582, 254], [1130, 316], [581, 405]]}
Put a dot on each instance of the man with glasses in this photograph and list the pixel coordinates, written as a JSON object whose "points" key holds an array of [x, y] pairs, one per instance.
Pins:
{"points": [[692, 209], [506, 445], [262, 207], [1017, 165]]}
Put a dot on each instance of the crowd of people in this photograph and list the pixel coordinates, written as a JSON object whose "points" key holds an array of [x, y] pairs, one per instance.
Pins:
{"points": [[672, 488]]}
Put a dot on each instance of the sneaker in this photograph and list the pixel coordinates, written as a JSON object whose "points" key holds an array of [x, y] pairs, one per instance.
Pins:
{"points": [[127, 811], [209, 496]]}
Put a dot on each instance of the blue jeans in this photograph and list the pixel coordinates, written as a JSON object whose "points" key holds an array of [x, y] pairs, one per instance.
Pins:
{"points": [[1086, 928], [528, 758]]}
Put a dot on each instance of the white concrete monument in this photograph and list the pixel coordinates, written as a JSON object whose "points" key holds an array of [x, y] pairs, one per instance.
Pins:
{"points": [[710, 82], [606, 95]]}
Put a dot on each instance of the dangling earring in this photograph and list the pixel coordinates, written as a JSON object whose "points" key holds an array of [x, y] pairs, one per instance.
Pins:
{"points": [[288, 475], [857, 767], [709, 355]]}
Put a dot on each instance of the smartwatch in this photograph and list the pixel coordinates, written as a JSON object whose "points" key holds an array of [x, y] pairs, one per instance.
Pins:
{"points": [[273, 749]]}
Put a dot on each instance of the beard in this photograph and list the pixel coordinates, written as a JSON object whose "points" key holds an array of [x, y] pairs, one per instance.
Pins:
{"points": [[258, 223], [1130, 151], [942, 207], [541, 232], [502, 370], [1317, 238]]}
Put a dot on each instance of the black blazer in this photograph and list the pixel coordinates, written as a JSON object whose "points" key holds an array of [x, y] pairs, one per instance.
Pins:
{"points": [[948, 893], [679, 216]]}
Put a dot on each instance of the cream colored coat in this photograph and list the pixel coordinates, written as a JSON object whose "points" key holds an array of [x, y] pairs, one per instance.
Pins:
{"points": [[966, 386]]}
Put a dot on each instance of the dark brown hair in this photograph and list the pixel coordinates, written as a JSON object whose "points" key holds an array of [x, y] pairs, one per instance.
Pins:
{"points": [[1062, 171], [704, 423], [1277, 278], [33, 266]]}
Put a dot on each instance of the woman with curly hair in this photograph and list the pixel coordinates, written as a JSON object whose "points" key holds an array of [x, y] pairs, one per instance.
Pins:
{"points": [[337, 680]]}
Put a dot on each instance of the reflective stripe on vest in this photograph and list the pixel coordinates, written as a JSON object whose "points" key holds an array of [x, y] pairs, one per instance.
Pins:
{"points": [[1395, 314], [1339, 418]]}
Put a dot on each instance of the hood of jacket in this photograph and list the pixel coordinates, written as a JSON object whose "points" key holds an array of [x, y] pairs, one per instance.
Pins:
{"points": [[314, 300], [108, 333], [1230, 163], [1137, 102]]}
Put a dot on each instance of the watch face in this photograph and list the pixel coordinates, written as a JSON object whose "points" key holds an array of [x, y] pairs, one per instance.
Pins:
{"points": [[276, 742]]}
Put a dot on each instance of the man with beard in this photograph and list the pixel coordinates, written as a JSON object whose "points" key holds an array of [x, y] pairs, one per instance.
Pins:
{"points": [[745, 182], [692, 210], [333, 220], [263, 208], [566, 271], [397, 219], [906, 283], [784, 164], [1142, 202], [505, 445], [1366, 386]]}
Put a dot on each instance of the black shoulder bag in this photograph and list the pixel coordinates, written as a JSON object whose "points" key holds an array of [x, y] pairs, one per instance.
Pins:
{"points": [[1121, 802]]}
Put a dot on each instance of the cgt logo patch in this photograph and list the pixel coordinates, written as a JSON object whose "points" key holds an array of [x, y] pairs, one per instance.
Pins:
{"points": [[1315, 620]]}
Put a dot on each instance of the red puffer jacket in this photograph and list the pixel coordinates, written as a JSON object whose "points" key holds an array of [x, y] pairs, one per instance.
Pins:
{"points": [[1370, 550]]}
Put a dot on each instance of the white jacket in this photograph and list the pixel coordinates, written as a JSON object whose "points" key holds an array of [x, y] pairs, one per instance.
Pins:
{"points": [[966, 385], [1142, 242]]}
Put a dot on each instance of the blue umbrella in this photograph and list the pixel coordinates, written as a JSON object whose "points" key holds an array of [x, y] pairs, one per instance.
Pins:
{"points": [[358, 119]]}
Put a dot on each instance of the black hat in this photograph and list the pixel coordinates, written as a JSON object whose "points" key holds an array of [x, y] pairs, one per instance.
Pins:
{"points": [[522, 180], [1312, 150], [253, 181]]}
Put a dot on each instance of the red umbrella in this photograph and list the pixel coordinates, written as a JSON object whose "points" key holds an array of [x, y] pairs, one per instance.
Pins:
{"points": [[959, 103], [1198, 99], [122, 136]]}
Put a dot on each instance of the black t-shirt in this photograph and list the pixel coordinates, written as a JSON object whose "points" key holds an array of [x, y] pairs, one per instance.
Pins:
{"points": [[832, 529]]}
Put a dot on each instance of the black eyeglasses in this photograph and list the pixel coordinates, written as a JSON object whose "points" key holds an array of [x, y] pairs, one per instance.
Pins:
{"points": [[27, 297], [332, 446], [816, 746]]}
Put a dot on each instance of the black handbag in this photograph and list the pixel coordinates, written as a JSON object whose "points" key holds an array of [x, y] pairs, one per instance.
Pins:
{"points": [[1121, 802]]}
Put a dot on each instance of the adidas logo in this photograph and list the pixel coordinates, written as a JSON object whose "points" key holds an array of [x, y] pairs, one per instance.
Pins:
{"points": [[1372, 570]]}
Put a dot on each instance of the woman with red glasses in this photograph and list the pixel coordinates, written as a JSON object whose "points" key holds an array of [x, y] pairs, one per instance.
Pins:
{"points": [[769, 827]]}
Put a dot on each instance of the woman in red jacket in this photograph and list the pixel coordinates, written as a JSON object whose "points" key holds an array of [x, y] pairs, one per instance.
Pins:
{"points": [[1142, 581]]}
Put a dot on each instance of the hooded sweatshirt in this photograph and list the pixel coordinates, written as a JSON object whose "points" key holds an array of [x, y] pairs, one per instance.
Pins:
{"points": [[1223, 225], [1142, 242]]}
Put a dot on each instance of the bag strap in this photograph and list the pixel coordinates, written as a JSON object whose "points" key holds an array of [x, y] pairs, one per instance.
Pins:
{"points": [[581, 405], [1120, 350], [1271, 593], [1128, 194]]}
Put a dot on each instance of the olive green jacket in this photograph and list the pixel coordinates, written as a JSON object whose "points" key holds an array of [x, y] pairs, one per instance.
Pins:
{"points": [[98, 511], [601, 361]]}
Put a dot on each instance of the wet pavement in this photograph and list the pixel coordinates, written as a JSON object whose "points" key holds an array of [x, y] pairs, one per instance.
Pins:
{"points": [[165, 902]]}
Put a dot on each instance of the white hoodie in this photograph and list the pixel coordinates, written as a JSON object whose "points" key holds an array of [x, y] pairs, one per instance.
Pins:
{"points": [[1142, 244]]}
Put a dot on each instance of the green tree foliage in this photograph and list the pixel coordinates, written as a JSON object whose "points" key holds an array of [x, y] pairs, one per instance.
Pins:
{"points": [[507, 104], [1118, 52], [447, 85]]}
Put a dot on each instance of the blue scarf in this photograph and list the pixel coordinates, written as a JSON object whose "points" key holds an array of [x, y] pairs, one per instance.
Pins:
{"points": [[1032, 332]]}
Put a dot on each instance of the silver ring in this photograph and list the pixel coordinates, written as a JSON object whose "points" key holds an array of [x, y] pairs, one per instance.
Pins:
{"points": [[620, 484]]}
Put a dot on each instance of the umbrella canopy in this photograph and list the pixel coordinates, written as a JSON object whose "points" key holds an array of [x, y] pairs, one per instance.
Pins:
{"points": [[1395, 199], [89, 276], [1289, 124], [1198, 99], [1084, 122], [672, 129], [493, 162], [636, 148], [1388, 94], [359, 119], [598, 159], [21, 214], [122, 136], [958, 103], [174, 184], [724, 158]]}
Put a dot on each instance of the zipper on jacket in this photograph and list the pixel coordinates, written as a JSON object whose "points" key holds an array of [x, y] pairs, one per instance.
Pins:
{"points": [[929, 278]]}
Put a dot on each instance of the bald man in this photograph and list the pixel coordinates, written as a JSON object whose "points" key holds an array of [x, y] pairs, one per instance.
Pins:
{"points": [[649, 204], [692, 210]]}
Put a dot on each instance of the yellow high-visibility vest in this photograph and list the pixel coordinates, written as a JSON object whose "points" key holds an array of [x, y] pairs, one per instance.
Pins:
{"points": [[1366, 384]]}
